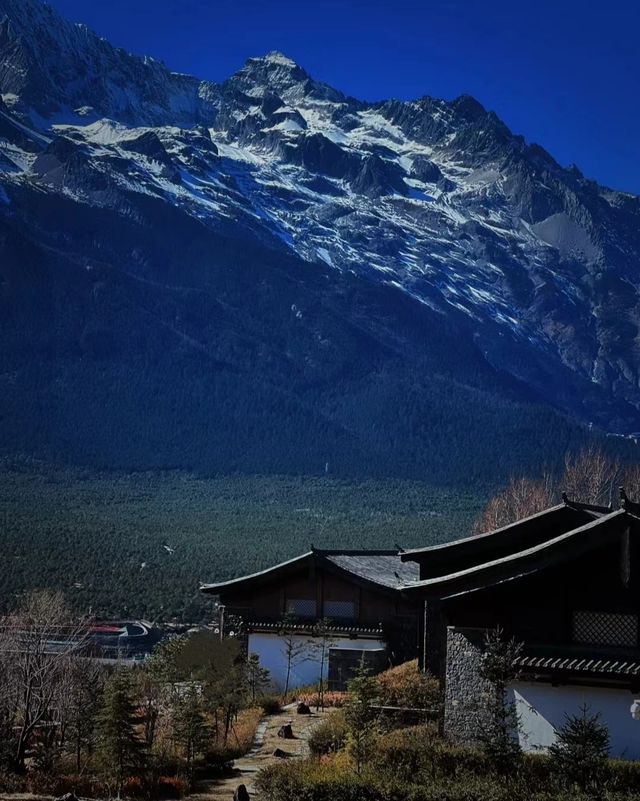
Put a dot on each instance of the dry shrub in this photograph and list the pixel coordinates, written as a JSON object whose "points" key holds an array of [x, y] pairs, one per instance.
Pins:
{"points": [[50, 784], [591, 476], [171, 787], [134, 787], [631, 482], [407, 686], [329, 736], [270, 704], [242, 735], [166, 787], [332, 698]]}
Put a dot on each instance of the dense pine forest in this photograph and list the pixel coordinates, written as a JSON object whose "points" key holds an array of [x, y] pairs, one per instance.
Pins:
{"points": [[100, 537]]}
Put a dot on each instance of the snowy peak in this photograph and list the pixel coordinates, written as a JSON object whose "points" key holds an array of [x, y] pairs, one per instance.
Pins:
{"points": [[437, 200], [54, 67], [280, 59], [276, 72]]}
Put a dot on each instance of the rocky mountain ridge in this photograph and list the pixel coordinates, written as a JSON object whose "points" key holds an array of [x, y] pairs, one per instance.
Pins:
{"points": [[307, 237]]}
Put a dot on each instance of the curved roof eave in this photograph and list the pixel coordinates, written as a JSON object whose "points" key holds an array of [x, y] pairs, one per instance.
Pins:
{"points": [[478, 539], [215, 589], [517, 564]]}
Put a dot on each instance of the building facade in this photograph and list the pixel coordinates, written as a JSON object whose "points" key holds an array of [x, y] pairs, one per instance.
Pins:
{"points": [[357, 592], [566, 585]]}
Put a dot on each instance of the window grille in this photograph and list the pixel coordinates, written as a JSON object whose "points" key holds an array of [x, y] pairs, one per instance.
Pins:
{"points": [[340, 610], [600, 628], [301, 607]]}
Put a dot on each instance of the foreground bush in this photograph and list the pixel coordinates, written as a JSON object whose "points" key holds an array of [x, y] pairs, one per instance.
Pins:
{"points": [[416, 764], [333, 780], [270, 704], [419, 754], [312, 781], [330, 736], [135, 787]]}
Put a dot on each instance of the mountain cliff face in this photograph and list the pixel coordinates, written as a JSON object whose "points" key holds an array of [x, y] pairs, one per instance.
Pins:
{"points": [[268, 274]]}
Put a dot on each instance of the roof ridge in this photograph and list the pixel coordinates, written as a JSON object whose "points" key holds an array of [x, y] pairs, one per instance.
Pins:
{"points": [[513, 557], [259, 573], [357, 551], [587, 507], [480, 537]]}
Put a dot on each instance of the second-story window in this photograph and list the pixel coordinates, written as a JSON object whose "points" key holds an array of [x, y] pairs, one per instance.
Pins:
{"points": [[301, 607], [605, 628], [340, 610]]}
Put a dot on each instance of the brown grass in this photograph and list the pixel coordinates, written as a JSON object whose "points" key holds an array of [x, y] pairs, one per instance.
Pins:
{"points": [[242, 734]]}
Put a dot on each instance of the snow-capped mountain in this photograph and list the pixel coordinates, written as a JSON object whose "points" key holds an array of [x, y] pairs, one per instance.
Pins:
{"points": [[270, 225]]}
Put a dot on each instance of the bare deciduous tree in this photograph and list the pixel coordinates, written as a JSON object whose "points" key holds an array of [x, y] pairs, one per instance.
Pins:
{"points": [[293, 648], [36, 642], [521, 498], [591, 476], [320, 644], [630, 480]]}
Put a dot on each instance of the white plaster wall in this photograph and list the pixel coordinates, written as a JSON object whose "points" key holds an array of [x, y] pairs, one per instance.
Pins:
{"points": [[271, 651], [542, 709]]}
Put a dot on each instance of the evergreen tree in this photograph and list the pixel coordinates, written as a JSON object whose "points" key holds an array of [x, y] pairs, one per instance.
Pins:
{"points": [[120, 750], [581, 748], [360, 716], [84, 683], [190, 725], [156, 683], [258, 678], [499, 732]]}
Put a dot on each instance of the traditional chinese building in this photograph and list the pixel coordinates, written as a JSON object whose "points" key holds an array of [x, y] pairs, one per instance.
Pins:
{"points": [[358, 592], [566, 584]]}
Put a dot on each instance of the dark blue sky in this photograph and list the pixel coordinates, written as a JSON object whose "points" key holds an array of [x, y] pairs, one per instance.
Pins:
{"points": [[564, 73]]}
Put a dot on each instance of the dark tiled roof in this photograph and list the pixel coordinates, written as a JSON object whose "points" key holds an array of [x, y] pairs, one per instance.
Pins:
{"points": [[261, 574], [580, 664], [481, 574], [388, 570], [384, 568], [523, 533]]}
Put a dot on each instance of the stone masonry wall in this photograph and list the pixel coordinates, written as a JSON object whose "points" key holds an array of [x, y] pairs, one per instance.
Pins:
{"points": [[466, 693]]}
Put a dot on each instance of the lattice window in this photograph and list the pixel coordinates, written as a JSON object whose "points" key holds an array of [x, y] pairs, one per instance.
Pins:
{"points": [[340, 610], [601, 628], [301, 607]]}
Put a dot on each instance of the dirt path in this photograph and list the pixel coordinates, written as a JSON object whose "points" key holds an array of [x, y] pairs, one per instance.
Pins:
{"points": [[261, 755]]}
